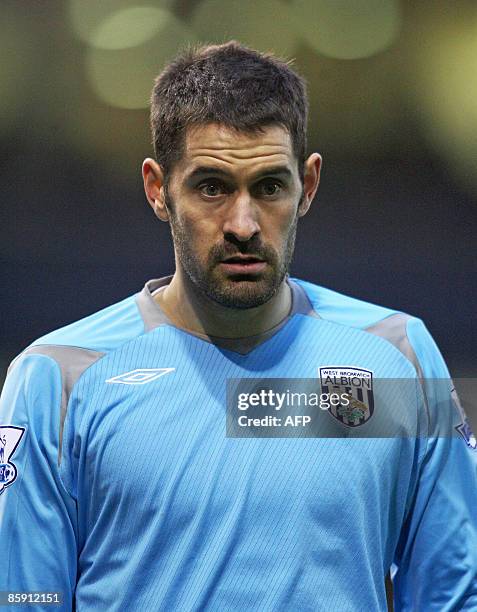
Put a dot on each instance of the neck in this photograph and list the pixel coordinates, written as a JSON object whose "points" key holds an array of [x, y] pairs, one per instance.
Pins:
{"points": [[188, 308]]}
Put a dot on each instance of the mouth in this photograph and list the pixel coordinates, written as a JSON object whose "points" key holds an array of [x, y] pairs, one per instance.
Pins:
{"points": [[243, 264]]}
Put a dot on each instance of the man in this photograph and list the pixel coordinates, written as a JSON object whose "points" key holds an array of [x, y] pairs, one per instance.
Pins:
{"points": [[126, 487]]}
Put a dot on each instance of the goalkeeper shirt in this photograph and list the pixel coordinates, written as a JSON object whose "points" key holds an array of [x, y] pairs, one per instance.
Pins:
{"points": [[123, 487]]}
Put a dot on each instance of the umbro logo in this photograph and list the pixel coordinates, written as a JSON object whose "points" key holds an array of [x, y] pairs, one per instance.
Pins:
{"points": [[139, 376]]}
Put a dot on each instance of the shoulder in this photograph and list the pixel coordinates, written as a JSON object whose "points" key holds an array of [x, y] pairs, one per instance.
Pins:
{"points": [[41, 379], [78, 345], [343, 309], [405, 332]]}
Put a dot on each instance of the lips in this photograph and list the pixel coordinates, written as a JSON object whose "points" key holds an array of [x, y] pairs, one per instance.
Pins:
{"points": [[243, 264], [243, 259]]}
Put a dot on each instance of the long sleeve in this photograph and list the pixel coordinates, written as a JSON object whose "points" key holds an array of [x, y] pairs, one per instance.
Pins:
{"points": [[436, 557], [37, 514]]}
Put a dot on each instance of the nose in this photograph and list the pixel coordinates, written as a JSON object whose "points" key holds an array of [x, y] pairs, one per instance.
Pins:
{"points": [[241, 218]]}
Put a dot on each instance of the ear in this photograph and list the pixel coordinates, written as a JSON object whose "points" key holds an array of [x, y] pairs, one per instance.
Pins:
{"points": [[311, 180], [153, 178]]}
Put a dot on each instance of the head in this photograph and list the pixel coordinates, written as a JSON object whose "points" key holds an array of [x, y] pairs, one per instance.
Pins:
{"points": [[230, 174]]}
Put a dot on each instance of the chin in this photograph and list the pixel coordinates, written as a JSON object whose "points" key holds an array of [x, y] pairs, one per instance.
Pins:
{"points": [[243, 293]]}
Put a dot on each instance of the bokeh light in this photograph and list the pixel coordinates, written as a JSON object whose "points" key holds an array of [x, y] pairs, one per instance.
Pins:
{"points": [[105, 21], [123, 78], [264, 25], [129, 27], [446, 87], [347, 29]]}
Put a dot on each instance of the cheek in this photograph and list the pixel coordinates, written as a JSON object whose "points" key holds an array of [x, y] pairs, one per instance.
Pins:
{"points": [[277, 227], [199, 233], [192, 224]]}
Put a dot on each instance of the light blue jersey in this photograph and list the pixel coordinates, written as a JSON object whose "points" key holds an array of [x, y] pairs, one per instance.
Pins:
{"points": [[121, 489]]}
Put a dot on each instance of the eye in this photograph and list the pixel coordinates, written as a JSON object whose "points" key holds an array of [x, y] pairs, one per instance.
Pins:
{"points": [[211, 188], [270, 188]]}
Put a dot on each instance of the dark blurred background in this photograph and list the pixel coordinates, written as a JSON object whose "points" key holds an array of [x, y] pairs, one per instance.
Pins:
{"points": [[393, 89]]}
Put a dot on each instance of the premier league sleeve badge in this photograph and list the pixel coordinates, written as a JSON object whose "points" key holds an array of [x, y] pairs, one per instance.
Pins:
{"points": [[463, 428], [10, 437]]}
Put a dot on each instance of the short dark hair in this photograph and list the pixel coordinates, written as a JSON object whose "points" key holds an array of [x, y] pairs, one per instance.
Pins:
{"points": [[229, 84]]}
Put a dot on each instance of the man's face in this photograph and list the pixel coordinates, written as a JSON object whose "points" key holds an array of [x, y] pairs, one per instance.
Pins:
{"points": [[233, 207]]}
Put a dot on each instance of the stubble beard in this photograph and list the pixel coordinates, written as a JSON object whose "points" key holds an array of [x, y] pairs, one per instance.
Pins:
{"points": [[242, 291]]}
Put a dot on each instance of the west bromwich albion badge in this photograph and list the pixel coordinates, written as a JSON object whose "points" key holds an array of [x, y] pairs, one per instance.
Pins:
{"points": [[357, 385]]}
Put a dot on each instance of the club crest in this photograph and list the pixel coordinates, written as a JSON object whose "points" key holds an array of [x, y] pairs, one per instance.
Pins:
{"points": [[357, 384], [10, 437]]}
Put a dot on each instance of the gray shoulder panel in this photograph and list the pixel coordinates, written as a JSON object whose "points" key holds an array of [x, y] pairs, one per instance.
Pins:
{"points": [[393, 329], [72, 361], [151, 313], [301, 303]]}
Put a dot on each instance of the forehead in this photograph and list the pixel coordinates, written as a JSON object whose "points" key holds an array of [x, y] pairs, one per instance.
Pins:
{"points": [[217, 145]]}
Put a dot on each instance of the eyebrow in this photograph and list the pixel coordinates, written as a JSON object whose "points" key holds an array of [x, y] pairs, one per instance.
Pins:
{"points": [[200, 171]]}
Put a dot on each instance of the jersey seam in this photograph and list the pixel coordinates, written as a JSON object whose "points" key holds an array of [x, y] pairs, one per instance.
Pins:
{"points": [[426, 406], [104, 355], [57, 366], [416, 377], [379, 338], [20, 484], [312, 301]]}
